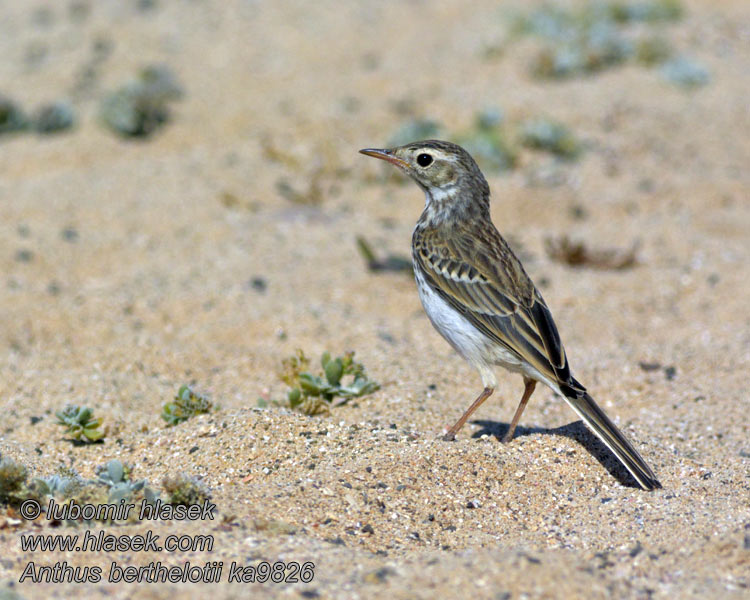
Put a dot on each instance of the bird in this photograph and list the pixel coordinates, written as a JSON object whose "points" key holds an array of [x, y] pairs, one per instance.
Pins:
{"points": [[478, 296]]}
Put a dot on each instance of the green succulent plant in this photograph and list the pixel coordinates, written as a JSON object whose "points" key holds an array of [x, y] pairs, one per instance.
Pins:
{"points": [[116, 475], [58, 485], [415, 129], [12, 480], [15, 486], [596, 36], [488, 142], [140, 107], [113, 485], [184, 490], [186, 404], [554, 137], [341, 377], [80, 423]]}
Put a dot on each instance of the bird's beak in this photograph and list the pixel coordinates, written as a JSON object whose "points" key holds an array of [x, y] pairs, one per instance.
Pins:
{"points": [[386, 155]]}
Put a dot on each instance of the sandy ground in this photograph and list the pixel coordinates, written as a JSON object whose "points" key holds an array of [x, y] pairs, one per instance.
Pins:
{"points": [[154, 291]]}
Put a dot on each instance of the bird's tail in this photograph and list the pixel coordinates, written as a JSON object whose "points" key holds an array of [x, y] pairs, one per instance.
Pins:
{"points": [[608, 433]]}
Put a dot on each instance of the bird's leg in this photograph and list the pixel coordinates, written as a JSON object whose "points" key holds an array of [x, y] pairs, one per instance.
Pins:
{"points": [[451, 435], [528, 390]]}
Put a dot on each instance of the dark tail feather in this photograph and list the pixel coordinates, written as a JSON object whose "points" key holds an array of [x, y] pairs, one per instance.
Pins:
{"points": [[606, 431]]}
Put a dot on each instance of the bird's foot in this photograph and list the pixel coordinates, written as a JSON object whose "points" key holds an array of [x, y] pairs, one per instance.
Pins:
{"points": [[447, 437]]}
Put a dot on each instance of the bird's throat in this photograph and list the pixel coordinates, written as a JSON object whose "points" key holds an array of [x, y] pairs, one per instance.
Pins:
{"points": [[454, 205]]}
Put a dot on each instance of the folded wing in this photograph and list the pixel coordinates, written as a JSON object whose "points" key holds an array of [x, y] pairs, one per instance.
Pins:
{"points": [[500, 302]]}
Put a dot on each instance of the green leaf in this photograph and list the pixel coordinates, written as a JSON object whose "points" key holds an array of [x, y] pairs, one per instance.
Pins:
{"points": [[334, 370], [170, 413], [118, 493], [359, 387], [295, 397], [93, 435], [312, 384], [150, 495], [115, 470]]}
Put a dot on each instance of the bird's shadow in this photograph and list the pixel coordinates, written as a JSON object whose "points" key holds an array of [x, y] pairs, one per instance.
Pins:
{"points": [[576, 431]]}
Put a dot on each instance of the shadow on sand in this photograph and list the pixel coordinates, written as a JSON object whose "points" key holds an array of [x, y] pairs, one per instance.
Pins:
{"points": [[576, 431]]}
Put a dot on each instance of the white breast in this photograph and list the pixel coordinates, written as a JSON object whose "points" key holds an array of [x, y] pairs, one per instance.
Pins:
{"points": [[466, 339]]}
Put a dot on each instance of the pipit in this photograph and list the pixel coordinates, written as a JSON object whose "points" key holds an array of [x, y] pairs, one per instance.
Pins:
{"points": [[478, 296]]}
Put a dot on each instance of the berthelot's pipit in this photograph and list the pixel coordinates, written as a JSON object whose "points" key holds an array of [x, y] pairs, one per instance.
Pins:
{"points": [[479, 297]]}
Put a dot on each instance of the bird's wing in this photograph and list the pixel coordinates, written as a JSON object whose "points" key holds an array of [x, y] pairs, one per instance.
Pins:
{"points": [[484, 281]]}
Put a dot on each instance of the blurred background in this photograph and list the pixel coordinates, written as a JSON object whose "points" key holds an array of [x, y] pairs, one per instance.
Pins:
{"points": [[181, 197]]}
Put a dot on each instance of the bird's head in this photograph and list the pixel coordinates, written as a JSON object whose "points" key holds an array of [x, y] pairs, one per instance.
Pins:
{"points": [[446, 172]]}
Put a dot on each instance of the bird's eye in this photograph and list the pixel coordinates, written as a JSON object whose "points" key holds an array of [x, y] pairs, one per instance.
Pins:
{"points": [[424, 160]]}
